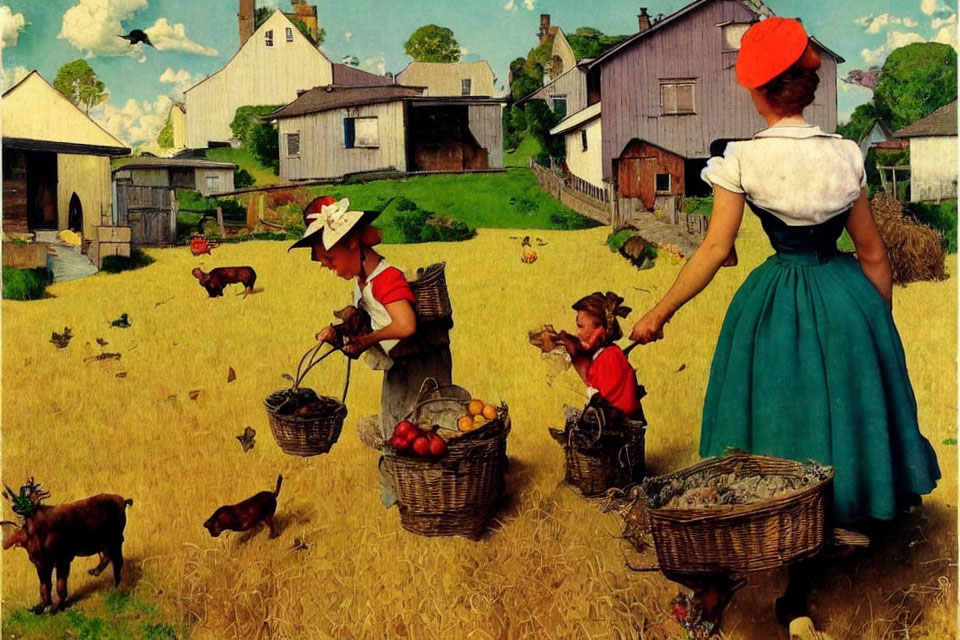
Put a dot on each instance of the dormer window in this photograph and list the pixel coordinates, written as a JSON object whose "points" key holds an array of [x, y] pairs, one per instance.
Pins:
{"points": [[289, 34], [268, 37], [465, 85]]}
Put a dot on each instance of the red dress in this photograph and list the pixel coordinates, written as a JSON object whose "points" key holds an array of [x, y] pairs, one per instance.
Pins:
{"points": [[611, 375]]}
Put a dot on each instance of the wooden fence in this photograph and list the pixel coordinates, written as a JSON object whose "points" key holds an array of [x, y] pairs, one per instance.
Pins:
{"points": [[596, 204], [150, 212]]}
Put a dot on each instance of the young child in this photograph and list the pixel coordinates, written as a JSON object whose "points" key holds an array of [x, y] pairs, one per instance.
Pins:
{"points": [[341, 241], [601, 363]]}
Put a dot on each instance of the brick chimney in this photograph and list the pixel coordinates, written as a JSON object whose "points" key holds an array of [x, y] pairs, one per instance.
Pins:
{"points": [[245, 15], [644, 19], [544, 32]]}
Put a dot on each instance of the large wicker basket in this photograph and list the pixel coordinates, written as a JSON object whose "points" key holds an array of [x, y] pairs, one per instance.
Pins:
{"points": [[430, 289], [737, 538], [455, 494]]}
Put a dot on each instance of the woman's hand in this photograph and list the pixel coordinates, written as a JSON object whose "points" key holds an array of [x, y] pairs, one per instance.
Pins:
{"points": [[357, 345], [327, 334], [649, 328], [570, 343]]}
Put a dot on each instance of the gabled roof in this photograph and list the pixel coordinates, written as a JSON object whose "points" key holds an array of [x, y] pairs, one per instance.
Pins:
{"points": [[755, 7], [577, 119], [263, 25], [338, 97], [176, 163], [884, 131], [942, 122], [29, 130]]}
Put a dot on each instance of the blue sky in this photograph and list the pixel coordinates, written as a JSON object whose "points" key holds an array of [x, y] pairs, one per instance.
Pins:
{"points": [[197, 37]]}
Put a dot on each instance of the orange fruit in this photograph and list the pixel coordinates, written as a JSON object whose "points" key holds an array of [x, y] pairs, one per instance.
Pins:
{"points": [[489, 411], [475, 407], [465, 423], [478, 420]]}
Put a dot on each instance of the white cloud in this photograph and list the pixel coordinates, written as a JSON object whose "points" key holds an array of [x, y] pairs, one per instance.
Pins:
{"points": [[464, 51], [135, 122], [873, 24], [11, 24], [182, 80], [510, 6], [11, 77], [947, 35], [348, 35], [94, 26], [928, 6], [167, 37], [376, 64], [942, 22], [530, 4], [895, 40]]}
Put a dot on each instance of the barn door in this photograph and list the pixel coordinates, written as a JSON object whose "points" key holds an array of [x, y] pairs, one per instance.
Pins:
{"points": [[637, 179], [75, 216]]}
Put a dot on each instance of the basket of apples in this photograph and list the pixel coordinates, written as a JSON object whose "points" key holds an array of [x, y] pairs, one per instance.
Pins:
{"points": [[448, 478]]}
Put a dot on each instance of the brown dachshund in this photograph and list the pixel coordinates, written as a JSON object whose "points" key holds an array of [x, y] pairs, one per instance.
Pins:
{"points": [[354, 322], [55, 534], [245, 515], [218, 278]]}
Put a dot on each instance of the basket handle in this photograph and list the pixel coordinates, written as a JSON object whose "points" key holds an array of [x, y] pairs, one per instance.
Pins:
{"points": [[310, 357]]}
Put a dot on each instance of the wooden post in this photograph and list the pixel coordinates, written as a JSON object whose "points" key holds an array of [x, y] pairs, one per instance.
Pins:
{"points": [[223, 234], [174, 207]]}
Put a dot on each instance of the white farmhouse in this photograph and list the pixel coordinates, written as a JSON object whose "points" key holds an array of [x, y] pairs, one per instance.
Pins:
{"points": [[268, 69], [583, 135], [933, 154]]}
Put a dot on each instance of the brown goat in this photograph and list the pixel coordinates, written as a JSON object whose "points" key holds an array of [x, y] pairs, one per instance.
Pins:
{"points": [[219, 277], [55, 534]]}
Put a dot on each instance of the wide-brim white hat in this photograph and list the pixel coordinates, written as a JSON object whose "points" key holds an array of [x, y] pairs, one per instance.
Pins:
{"points": [[332, 223]]}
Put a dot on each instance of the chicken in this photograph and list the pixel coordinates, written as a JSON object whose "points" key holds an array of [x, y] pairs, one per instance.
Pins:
{"points": [[529, 255]]}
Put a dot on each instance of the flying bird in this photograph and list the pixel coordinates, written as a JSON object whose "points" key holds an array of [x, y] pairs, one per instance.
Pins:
{"points": [[136, 37]]}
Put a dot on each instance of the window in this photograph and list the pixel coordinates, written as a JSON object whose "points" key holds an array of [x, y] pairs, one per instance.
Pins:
{"points": [[732, 34], [583, 139], [213, 184], [663, 182], [360, 132], [289, 34], [293, 144], [677, 97], [268, 37], [559, 103], [465, 86]]}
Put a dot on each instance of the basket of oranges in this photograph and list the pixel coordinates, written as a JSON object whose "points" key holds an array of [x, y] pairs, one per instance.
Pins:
{"points": [[447, 461]]}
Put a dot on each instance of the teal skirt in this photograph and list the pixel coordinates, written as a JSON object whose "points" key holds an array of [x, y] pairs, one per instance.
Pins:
{"points": [[809, 366]]}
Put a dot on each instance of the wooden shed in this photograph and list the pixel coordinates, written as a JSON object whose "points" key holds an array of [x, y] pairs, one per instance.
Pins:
{"points": [[332, 131], [206, 176], [933, 154], [56, 162]]}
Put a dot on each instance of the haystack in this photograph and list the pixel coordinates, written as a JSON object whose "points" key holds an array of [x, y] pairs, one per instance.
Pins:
{"points": [[914, 249]]}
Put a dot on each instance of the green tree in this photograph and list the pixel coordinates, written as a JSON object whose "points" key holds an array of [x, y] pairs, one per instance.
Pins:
{"points": [[915, 81], [431, 43], [81, 86], [165, 137], [860, 122]]}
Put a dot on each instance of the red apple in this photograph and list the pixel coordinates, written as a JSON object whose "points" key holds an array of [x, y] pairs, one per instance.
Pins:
{"points": [[437, 446], [404, 427], [398, 443], [421, 446]]}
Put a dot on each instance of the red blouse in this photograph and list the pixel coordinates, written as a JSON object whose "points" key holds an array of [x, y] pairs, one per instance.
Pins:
{"points": [[611, 375]]}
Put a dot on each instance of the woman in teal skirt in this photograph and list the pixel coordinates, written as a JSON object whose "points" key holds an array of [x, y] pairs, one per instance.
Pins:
{"points": [[808, 364]]}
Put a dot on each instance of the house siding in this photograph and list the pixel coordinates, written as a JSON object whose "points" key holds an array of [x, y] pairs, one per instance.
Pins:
{"points": [[443, 79], [562, 49], [486, 127], [178, 125], [690, 48], [586, 164], [322, 152], [225, 176], [257, 75], [89, 178], [573, 84], [933, 168]]}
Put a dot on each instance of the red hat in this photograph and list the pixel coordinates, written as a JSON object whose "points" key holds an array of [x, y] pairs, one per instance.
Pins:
{"points": [[769, 48]]}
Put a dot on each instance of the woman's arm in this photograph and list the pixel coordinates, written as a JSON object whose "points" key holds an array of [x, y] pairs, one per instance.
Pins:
{"points": [[725, 220], [403, 324], [871, 252]]}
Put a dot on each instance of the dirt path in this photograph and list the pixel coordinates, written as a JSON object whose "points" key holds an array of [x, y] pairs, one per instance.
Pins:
{"points": [[656, 231]]}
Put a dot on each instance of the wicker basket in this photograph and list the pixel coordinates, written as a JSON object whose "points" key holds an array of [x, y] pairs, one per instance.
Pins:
{"points": [[430, 289], [306, 436], [737, 538], [455, 494], [616, 462]]}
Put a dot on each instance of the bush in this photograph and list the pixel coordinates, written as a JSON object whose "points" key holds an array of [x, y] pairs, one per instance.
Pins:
{"points": [[615, 240], [942, 217], [571, 220], [404, 204], [24, 284], [116, 264], [699, 206], [242, 178], [423, 226]]}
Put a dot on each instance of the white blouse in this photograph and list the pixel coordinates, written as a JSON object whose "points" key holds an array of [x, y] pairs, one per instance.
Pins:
{"points": [[796, 172]]}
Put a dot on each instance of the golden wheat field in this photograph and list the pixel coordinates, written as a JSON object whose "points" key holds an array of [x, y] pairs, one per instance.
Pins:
{"points": [[550, 567]]}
